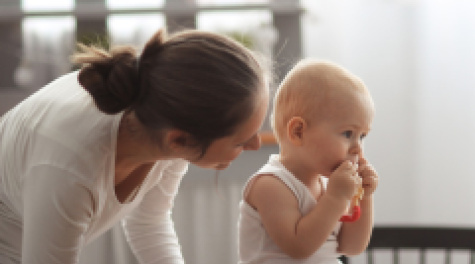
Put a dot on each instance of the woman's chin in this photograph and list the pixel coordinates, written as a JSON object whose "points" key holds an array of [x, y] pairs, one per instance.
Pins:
{"points": [[222, 166], [213, 166]]}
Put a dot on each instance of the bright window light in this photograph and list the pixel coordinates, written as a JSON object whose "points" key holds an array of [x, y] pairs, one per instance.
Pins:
{"points": [[134, 29], [233, 20], [230, 2], [121, 4], [49, 29], [50, 5], [253, 28]]}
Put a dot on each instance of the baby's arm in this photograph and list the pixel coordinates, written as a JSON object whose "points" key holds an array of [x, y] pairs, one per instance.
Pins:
{"points": [[354, 237], [299, 235]]}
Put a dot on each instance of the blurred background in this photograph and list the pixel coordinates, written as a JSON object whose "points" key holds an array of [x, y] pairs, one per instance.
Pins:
{"points": [[417, 58]]}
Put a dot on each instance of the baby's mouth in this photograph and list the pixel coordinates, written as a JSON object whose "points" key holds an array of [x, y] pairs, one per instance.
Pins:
{"points": [[353, 161]]}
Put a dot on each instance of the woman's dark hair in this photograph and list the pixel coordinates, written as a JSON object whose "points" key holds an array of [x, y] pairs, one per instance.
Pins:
{"points": [[202, 83]]}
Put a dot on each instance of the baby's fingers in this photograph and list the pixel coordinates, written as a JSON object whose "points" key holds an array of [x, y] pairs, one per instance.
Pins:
{"points": [[344, 181], [370, 182], [346, 167], [366, 170], [362, 162]]}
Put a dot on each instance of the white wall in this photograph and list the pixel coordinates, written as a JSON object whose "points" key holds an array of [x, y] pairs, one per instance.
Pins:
{"points": [[446, 113], [418, 60]]}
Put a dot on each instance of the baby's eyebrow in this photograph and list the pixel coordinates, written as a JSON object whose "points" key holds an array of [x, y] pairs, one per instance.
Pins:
{"points": [[354, 126]]}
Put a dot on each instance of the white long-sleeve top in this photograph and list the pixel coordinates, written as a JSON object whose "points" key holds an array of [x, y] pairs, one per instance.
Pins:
{"points": [[57, 160]]}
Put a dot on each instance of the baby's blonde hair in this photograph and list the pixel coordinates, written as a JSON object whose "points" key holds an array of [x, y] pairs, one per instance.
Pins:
{"points": [[305, 90]]}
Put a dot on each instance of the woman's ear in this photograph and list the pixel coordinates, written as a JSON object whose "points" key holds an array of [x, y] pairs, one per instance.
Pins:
{"points": [[295, 129], [177, 140]]}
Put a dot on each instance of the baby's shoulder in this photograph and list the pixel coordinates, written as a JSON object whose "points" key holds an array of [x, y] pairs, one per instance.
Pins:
{"points": [[267, 188]]}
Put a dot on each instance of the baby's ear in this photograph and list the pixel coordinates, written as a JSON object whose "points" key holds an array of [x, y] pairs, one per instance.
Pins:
{"points": [[295, 129]]}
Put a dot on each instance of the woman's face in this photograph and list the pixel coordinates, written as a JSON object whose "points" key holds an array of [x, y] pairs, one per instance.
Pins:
{"points": [[223, 151]]}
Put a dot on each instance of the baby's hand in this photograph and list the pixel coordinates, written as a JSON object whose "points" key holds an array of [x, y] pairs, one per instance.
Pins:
{"points": [[344, 181], [369, 177]]}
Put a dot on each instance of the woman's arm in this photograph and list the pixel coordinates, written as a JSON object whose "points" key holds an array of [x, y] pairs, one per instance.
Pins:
{"points": [[57, 211], [149, 229]]}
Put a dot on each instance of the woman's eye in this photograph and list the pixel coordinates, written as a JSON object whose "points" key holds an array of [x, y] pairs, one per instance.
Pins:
{"points": [[348, 134]]}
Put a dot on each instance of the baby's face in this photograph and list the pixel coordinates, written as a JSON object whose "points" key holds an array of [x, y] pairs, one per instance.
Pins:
{"points": [[339, 135]]}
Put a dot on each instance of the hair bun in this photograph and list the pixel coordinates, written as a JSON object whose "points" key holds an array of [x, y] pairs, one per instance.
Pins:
{"points": [[110, 77]]}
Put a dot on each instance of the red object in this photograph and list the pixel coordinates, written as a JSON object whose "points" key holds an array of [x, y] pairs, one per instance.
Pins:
{"points": [[354, 216]]}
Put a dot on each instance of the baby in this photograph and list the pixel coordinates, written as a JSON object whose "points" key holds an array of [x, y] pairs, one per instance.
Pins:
{"points": [[291, 208]]}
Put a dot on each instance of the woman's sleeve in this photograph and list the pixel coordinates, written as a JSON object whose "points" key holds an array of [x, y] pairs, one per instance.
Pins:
{"points": [[57, 211], [149, 228]]}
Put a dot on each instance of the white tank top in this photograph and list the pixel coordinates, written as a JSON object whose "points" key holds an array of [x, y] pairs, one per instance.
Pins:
{"points": [[255, 245]]}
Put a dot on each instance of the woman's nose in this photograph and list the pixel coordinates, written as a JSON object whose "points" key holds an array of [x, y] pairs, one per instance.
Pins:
{"points": [[253, 144]]}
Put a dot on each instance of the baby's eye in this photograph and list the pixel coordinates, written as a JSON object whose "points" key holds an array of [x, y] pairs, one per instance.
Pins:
{"points": [[348, 134], [362, 136]]}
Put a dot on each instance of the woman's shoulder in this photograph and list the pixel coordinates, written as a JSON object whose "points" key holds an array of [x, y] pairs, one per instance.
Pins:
{"points": [[65, 128], [177, 166], [168, 169]]}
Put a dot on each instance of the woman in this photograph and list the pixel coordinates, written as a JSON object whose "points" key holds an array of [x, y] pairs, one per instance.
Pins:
{"points": [[113, 140]]}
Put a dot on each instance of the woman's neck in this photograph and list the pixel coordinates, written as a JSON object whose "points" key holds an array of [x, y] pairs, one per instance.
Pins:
{"points": [[133, 148]]}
